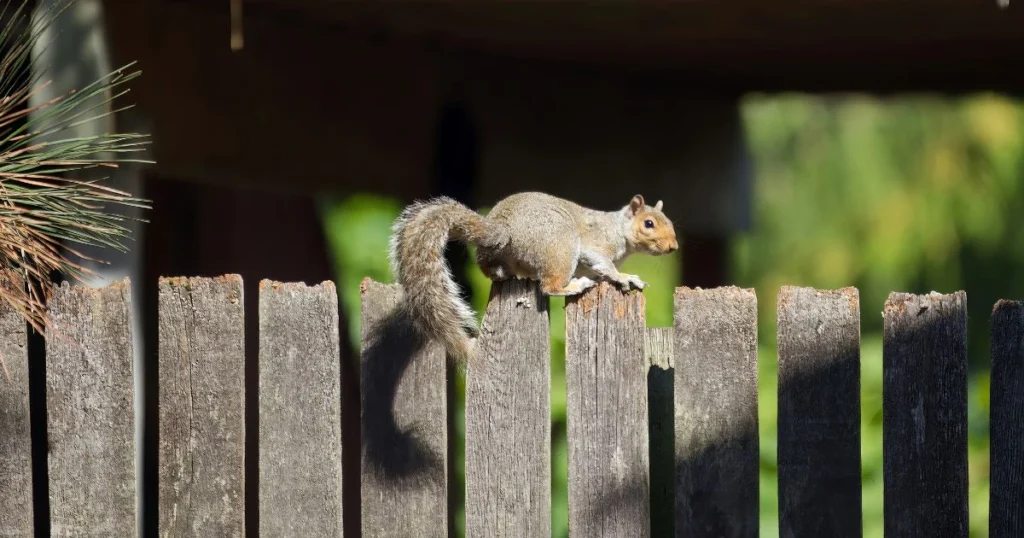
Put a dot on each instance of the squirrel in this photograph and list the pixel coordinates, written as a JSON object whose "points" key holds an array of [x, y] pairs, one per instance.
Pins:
{"points": [[528, 235]]}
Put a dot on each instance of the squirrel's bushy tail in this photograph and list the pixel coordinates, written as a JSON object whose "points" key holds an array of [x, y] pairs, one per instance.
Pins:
{"points": [[418, 240]]}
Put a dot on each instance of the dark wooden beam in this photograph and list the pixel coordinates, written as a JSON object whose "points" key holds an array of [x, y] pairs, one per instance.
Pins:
{"points": [[746, 45]]}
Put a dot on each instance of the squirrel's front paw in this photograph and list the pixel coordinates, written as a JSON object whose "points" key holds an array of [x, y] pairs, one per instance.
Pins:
{"points": [[631, 281], [636, 282]]}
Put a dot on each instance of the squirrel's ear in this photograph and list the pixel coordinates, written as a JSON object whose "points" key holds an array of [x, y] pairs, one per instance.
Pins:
{"points": [[658, 205], [636, 203]]}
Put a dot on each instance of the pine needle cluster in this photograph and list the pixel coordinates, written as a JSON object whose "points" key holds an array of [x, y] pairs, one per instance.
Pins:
{"points": [[45, 212]]}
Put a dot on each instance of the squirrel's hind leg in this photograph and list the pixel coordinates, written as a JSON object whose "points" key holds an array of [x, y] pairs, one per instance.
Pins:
{"points": [[556, 277], [575, 286], [496, 272], [490, 263]]}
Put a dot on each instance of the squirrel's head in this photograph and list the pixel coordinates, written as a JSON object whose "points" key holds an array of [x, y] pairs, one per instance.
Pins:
{"points": [[652, 232]]}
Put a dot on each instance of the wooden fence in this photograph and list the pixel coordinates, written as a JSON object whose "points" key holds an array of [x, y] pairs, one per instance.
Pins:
{"points": [[662, 422]]}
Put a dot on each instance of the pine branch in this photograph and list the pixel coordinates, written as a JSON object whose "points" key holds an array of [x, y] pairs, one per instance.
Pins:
{"points": [[44, 210]]}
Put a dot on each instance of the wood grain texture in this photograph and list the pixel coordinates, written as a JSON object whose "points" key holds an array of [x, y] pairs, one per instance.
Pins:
{"points": [[90, 415], [606, 395], [1006, 513], [925, 415], [404, 419], [508, 417], [300, 411], [201, 407], [15, 428], [661, 428], [715, 354], [819, 412]]}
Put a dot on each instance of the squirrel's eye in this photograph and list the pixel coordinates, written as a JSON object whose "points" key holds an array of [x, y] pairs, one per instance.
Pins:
{"points": [[648, 223]]}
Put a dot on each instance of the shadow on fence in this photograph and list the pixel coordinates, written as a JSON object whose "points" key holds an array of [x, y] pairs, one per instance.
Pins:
{"points": [[393, 453]]}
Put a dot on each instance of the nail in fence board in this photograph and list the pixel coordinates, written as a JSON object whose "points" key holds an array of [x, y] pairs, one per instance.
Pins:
{"points": [[202, 407], [1006, 515], [925, 415], [606, 390], [299, 411], [508, 417], [661, 429], [404, 466], [90, 415], [15, 429], [819, 412], [715, 352]]}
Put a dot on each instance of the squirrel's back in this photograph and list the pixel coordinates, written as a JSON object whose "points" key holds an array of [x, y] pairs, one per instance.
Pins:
{"points": [[534, 216], [544, 232], [530, 207]]}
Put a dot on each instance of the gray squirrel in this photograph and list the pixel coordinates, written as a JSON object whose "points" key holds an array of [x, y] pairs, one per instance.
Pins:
{"points": [[528, 235]]}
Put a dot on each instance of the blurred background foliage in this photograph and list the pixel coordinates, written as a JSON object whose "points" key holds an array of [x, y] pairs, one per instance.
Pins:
{"points": [[911, 193]]}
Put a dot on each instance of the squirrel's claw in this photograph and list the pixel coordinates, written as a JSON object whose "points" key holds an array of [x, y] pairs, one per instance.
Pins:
{"points": [[631, 281]]}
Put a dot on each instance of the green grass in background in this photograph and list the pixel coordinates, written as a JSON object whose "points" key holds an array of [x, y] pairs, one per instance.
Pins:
{"points": [[912, 194]]}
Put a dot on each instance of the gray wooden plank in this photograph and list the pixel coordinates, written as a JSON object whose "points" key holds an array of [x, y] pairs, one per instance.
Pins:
{"points": [[924, 415], [404, 418], [661, 429], [201, 480], [1006, 473], [606, 393], [819, 412], [508, 417], [715, 354], [299, 410], [658, 347], [90, 412], [15, 427]]}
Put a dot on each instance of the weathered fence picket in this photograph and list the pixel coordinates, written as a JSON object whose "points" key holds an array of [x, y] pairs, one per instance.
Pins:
{"points": [[404, 444], [924, 412], [299, 411], [15, 428], [1006, 515], [508, 418], [717, 464], [90, 412], [819, 412], [662, 422], [661, 428], [606, 417], [201, 484]]}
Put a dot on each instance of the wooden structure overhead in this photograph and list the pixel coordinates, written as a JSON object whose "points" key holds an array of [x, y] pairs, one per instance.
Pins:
{"points": [[743, 45], [363, 81]]}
